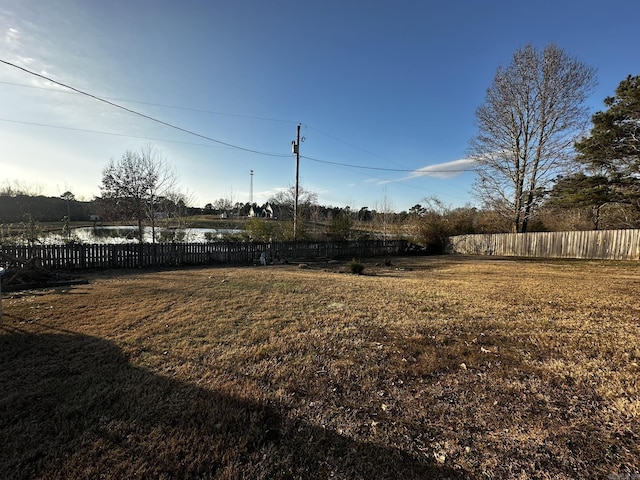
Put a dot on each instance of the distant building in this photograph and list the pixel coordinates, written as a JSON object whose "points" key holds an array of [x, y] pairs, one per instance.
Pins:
{"points": [[265, 211]]}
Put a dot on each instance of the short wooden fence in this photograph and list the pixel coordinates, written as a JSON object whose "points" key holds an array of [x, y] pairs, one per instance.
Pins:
{"points": [[135, 255]]}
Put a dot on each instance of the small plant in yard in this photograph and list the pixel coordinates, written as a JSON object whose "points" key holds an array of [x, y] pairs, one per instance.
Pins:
{"points": [[355, 266]]}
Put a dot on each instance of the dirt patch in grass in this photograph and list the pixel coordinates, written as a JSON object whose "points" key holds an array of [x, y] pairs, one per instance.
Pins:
{"points": [[436, 367]]}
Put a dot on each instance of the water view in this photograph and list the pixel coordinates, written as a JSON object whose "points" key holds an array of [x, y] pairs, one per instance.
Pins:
{"points": [[129, 234]]}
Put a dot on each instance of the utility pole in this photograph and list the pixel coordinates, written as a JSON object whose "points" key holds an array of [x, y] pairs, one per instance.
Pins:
{"points": [[295, 147]]}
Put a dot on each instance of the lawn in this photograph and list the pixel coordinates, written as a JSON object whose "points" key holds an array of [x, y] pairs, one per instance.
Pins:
{"points": [[431, 367]]}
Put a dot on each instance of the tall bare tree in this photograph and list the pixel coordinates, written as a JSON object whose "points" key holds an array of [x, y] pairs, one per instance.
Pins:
{"points": [[532, 114], [136, 184]]}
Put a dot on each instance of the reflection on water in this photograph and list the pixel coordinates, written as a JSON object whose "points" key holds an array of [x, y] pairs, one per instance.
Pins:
{"points": [[128, 234]]}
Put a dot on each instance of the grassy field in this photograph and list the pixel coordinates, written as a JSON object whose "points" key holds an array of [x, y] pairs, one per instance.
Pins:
{"points": [[432, 367]]}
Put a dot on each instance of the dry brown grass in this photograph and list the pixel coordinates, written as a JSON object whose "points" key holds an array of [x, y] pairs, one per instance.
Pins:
{"points": [[442, 367]]}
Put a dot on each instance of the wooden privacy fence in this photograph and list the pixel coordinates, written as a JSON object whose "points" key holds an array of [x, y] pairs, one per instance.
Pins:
{"points": [[86, 256], [598, 244]]}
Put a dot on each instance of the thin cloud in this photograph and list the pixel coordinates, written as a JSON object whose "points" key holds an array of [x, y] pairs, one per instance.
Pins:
{"points": [[444, 170]]}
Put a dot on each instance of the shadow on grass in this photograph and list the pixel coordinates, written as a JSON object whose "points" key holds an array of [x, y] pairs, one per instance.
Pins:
{"points": [[72, 406]]}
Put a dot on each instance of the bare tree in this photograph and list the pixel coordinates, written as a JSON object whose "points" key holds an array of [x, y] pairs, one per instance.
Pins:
{"points": [[384, 216], [532, 114], [226, 204], [137, 183], [223, 204], [174, 205], [285, 199]]}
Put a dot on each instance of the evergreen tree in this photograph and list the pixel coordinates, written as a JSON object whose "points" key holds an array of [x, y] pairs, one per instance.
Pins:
{"points": [[340, 226], [582, 191], [612, 150]]}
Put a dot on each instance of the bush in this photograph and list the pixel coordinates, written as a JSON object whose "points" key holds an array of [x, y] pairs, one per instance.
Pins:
{"points": [[260, 230], [355, 266]]}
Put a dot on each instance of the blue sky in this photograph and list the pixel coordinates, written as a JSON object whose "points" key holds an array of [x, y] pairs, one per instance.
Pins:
{"points": [[392, 86]]}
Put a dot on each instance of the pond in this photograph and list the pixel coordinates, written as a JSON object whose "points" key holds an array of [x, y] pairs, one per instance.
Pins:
{"points": [[128, 234]]}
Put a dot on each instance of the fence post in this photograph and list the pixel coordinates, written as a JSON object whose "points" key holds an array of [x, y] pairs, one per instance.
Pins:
{"points": [[1, 274]]}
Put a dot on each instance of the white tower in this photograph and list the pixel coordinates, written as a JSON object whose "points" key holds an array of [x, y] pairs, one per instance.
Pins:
{"points": [[251, 190]]}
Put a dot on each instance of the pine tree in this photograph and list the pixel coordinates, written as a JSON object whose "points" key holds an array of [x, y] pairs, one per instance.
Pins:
{"points": [[611, 153]]}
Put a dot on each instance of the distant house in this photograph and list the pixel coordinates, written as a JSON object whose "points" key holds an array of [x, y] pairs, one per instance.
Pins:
{"points": [[265, 211], [94, 218]]}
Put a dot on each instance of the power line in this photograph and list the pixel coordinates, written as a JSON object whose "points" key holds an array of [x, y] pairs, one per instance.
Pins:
{"points": [[364, 167], [211, 112], [153, 119], [190, 132], [127, 135], [352, 145], [188, 109], [387, 180]]}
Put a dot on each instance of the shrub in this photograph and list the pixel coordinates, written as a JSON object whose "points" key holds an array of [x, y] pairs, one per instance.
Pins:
{"points": [[355, 266], [260, 230]]}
